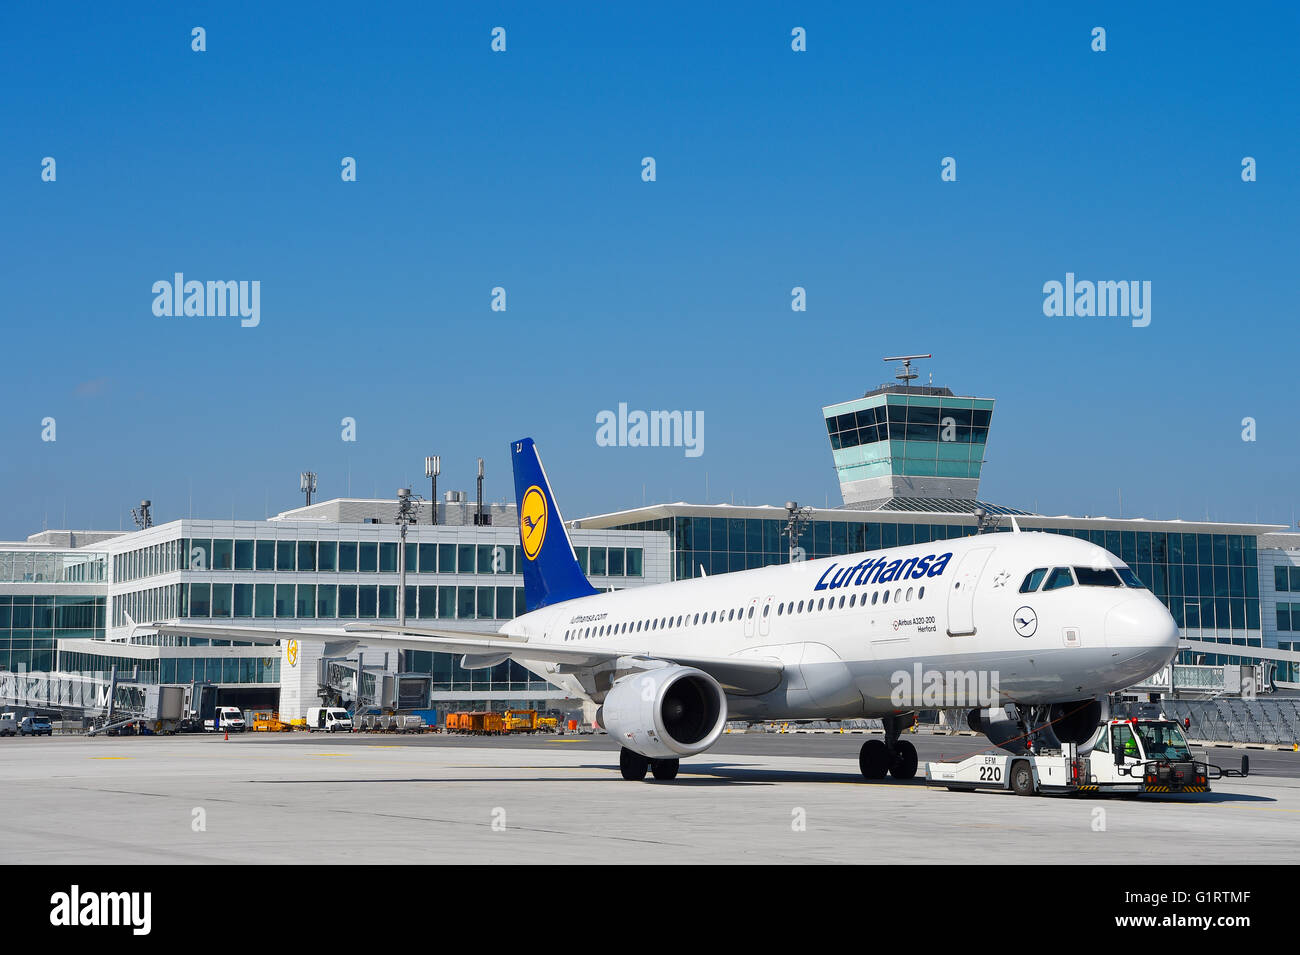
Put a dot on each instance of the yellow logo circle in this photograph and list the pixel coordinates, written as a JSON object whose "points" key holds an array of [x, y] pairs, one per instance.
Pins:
{"points": [[532, 521], [292, 653]]}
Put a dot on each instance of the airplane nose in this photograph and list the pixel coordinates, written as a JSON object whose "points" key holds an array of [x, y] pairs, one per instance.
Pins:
{"points": [[1142, 623]]}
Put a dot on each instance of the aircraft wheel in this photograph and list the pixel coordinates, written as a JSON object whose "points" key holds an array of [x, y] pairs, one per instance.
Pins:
{"points": [[632, 765], [1022, 779], [904, 765], [665, 769], [873, 759]]}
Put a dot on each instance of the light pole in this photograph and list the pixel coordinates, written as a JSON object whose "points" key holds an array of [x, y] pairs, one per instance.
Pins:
{"points": [[432, 465], [797, 519]]}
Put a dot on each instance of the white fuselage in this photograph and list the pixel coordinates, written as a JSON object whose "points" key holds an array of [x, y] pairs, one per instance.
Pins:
{"points": [[875, 633]]}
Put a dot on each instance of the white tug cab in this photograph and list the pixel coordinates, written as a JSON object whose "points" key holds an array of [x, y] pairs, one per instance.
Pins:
{"points": [[1136, 755]]}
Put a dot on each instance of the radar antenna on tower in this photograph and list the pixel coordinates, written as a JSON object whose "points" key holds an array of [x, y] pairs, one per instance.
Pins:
{"points": [[908, 375]]}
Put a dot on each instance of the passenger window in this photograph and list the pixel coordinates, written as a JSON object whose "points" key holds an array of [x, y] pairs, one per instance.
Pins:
{"points": [[1032, 580], [1059, 577]]}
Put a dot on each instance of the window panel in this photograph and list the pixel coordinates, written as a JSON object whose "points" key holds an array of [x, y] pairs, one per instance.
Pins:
{"points": [[347, 556], [223, 555], [368, 558], [327, 555], [285, 552], [327, 600]]}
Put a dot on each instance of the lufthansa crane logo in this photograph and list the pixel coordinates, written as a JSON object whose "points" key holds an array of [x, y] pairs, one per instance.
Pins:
{"points": [[291, 651], [532, 521], [1025, 621]]}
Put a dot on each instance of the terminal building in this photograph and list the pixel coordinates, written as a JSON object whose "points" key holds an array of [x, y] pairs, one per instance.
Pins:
{"points": [[909, 462]]}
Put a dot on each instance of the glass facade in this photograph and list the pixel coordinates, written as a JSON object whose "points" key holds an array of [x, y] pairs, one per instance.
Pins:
{"points": [[37, 567], [178, 669], [30, 623], [336, 591], [1208, 581]]}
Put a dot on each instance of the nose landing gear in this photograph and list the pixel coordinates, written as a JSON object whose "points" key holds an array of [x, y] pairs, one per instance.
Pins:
{"points": [[892, 756]]}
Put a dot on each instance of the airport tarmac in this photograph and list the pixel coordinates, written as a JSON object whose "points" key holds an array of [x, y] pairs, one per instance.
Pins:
{"points": [[259, 799]]}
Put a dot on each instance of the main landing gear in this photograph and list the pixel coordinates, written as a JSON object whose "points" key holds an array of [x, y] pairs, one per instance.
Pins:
{"points": [[634, 766], [892, 756]]}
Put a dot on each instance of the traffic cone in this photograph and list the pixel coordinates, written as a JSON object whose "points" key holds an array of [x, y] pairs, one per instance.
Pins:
{"points": [[227, 736]]}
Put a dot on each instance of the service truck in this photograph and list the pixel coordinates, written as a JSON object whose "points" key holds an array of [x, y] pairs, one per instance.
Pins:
{"points": [[228, 719], [1123, 756], [329, 719]]}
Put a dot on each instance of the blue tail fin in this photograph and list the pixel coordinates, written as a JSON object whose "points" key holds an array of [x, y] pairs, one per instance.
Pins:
{"points": [[551, 570]]}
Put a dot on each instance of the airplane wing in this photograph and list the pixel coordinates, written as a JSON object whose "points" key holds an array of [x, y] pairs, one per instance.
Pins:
{"points": [[747, 676]]}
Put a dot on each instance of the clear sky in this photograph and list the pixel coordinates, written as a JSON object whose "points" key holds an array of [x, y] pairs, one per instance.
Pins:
{"points": [[523, 169]]}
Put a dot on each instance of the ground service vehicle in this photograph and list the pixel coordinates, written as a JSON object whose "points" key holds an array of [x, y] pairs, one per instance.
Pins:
{"points": [[227, 719], [519, 721], [35, 726], [8, 725], [477, 722], [329, 719], [1124, 756]]}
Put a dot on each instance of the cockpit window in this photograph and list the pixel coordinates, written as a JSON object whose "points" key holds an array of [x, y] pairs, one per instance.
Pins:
{"points": [[1096, 577], [1058, 578], [1130, 579], [1032, 581]]}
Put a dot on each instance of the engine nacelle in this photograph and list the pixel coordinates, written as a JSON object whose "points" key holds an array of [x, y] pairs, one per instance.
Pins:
{"points": [[1076, 722], [665, 713], [1000, 726]]}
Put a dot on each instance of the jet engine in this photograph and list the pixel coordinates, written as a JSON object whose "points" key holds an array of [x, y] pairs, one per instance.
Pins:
{"points": [[665, 713], [1075, 722], [1001, 724]]}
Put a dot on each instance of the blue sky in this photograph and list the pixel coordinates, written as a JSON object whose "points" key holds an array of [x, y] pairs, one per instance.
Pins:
{"points": [[523, 170]]}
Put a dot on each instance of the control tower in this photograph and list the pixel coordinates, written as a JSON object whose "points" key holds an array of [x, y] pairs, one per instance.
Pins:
{"points": [[909, 447]]}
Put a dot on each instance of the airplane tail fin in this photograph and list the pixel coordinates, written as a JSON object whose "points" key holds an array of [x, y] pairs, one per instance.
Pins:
{"points": [[551, 570]]}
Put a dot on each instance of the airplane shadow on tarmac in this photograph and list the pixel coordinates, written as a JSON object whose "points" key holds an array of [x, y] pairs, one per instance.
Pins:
{"points": [[698, 775]]}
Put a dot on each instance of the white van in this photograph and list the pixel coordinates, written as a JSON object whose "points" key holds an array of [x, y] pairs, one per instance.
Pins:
{"points": [[229, 719], [328, 719]]}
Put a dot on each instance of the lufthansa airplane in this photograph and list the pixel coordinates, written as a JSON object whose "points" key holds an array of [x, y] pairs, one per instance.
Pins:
{"points": [[1028, 632]]}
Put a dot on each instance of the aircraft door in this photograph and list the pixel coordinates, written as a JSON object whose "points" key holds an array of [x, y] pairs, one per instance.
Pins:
{"points": [[751, 612], [961, 593]]}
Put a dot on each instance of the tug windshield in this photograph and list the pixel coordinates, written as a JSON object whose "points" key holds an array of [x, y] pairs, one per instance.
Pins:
{"points": [[1163, 740]]}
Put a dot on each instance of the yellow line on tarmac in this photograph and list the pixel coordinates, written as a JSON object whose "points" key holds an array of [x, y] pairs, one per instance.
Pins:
{"points": [[108, 757]]}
